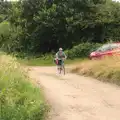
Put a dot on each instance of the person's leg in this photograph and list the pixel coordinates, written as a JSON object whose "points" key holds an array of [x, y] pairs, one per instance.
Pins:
{"points": [[60, 66], [63, 67], [57, 69]]}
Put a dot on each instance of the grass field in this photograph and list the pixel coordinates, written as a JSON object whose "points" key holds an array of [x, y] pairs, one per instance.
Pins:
{"points": [[45, 62], [19, 98], [107, 70]]}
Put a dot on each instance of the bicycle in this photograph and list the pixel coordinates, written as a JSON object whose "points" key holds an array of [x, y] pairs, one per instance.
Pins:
{"points": [[62, 68], [60, 65]]}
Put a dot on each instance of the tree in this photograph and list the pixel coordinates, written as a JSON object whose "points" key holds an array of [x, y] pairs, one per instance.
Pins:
{"points": [[46, 25]]}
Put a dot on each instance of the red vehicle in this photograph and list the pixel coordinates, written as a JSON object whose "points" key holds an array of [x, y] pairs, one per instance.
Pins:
{"points": [[106, 50]]}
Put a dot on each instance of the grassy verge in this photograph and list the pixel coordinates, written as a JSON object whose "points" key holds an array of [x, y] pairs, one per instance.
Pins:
{"points": [[37, 62], [107, 70], [19, 99], [45, 62]]}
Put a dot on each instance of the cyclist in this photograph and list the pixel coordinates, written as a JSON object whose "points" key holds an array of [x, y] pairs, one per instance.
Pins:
{"points": [[60, 57]]}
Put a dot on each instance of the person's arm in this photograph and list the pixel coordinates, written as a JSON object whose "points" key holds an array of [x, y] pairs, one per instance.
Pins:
{"points": [[56, 55], [65, 56]]}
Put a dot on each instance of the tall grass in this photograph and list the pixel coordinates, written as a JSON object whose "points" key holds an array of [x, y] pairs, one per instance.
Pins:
{"points": [[107, 69], [19, 99]]}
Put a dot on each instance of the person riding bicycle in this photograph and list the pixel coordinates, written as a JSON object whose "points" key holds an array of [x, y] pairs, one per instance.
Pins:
{"points": [[60, 57]]}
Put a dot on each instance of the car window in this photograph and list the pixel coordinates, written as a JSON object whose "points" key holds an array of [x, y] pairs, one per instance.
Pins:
{"points": [[104, 48], [114, 46]]}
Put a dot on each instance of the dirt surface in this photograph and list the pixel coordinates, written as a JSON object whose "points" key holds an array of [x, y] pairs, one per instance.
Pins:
{"points": [[74, 97]]}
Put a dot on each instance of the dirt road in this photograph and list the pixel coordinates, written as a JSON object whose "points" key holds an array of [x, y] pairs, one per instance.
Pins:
{"points": [[75, 97]]}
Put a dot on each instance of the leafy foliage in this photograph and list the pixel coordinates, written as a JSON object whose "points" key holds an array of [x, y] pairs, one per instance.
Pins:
{"points": [[82, 50], [41, 26]]}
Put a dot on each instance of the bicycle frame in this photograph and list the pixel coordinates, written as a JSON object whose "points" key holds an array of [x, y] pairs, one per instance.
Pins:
{"points": [[61, 68]]}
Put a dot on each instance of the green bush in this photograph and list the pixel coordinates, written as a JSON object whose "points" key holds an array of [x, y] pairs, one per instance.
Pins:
{"points": [[82, 50], [9, 41], [4, 28], [19, 99]]}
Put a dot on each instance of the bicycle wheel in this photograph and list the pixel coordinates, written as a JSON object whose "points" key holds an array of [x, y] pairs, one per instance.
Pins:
{"points": [[63, 69], [59, 69]]}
